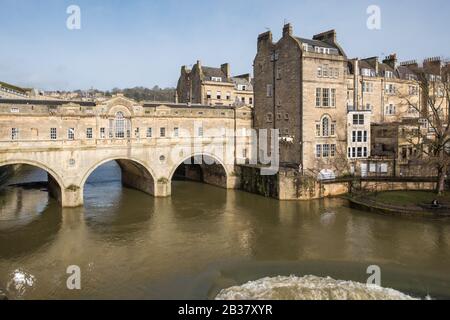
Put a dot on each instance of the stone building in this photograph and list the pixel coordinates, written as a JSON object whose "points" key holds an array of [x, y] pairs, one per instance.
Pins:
{"points": [[214, 86], [300, 89], [390, 94], [324, 104]]}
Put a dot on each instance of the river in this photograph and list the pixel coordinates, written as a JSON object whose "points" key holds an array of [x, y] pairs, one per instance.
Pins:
{"points": [[201, 240]]}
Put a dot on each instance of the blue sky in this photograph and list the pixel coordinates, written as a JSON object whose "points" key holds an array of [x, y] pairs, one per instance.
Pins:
{"points": [[126, 43]]}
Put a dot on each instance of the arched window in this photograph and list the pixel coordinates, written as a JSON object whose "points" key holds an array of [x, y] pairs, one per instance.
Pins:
{"points": [[325, 127], [120, 125]]}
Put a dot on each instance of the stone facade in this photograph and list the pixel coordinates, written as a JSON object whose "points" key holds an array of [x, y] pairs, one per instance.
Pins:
{"points": [[149, 141], [324, 104], [214, 86], [305, 105]]}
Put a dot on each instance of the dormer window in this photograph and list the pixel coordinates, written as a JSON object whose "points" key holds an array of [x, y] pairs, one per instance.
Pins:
{"points": [[389, 74], [242, 87], [216, 79], [366, 72]]}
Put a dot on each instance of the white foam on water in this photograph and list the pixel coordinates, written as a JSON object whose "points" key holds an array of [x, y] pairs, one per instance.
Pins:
{"points": [[20, 282], [309, 288]]}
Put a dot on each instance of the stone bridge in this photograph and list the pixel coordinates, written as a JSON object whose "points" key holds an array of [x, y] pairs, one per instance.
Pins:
{"points": [[69, 140]]}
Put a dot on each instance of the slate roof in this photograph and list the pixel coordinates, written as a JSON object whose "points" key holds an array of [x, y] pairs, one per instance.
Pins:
{"points": [[46, 102]]}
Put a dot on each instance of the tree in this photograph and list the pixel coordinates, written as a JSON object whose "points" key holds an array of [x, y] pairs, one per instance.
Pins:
{"points": [[430, 136]]}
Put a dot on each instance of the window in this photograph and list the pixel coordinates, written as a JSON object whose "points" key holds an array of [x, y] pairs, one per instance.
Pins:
{"points": [[365, 136], [14, 110], [162, 132], [353, 136], [325, 71], [365, 152], [15, 134], [278, 73], [243, 99], [326, 150], [149, 132], [326, 97], [228, 95], [319, 71], [367, 87], [359, 152], [120, 125], [102, 133], [89, 133], [318, 150], [353, 152], [366, 72], [332, 150], [200, 131], [389, 74], [250, 100], [333, 97], [359, 136], [413, 91], [269, 117], [390, 89], [390, 109], [358, 119], [208, 94], [53, 134], [216, 79], [219, 95], [71, 133], [286, 116], [325, 127], [318, 97], [244, 153], [318, 130], [333, 129], [269, 90]]}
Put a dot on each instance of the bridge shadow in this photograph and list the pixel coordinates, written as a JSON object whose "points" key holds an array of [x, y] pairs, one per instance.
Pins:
{"points": [[29, 218]]}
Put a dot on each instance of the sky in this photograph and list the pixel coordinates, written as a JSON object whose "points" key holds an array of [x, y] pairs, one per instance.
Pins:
{"points": [[127, 43]]}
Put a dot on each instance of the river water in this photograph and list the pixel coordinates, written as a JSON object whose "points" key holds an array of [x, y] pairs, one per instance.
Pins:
{"points": [[201, 240]]}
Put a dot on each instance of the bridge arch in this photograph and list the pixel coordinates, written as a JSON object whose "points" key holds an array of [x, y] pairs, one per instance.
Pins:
{"points": [[135, 174], [56, 185], [215, 174]]}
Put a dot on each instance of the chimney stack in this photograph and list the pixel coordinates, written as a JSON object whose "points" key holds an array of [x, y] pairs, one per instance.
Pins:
{"points": [[287, 30], [391, 60], [225, 69]]}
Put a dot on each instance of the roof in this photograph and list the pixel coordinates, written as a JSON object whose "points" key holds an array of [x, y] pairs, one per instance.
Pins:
{"points": [[214, 72], [316, 43], [47, 102], [185, 105], [12, 87], [243, 81]]}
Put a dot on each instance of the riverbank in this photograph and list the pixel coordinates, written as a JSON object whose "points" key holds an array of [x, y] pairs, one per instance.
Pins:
{"points": [[403, 203]]}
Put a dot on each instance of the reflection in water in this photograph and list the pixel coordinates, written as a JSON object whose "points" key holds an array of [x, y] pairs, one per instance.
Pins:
{"points": [[204, 239]]}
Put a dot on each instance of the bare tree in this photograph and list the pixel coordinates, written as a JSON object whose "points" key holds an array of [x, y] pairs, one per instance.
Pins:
{"points": [[430, 136]]}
